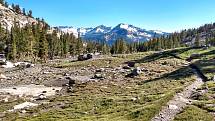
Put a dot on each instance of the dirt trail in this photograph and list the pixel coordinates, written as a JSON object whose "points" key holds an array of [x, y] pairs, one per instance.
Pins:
{"points": [[180, 100], [178, 103]]}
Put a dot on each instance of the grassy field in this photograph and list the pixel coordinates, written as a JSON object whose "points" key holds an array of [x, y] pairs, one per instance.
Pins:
{"points": [[133, 99]]}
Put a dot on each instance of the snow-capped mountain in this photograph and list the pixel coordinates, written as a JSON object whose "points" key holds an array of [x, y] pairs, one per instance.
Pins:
{"points": [[75, 31], [102, 33]]}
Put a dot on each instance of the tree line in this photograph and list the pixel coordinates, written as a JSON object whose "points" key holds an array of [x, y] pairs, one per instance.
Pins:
{"points": [[17, 9], [36, 42], [202, 36]]}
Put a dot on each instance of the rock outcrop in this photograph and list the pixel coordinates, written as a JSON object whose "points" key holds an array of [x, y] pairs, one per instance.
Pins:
{"points": [[8, 16]]}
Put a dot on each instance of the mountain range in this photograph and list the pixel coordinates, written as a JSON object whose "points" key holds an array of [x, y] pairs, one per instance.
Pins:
{"points": [[100, 33]]}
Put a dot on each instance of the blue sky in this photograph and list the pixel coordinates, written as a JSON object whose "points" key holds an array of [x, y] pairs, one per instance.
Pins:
{"points": [[165, 15]]}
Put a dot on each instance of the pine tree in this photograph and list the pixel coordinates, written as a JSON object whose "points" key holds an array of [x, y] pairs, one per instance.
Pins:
{"points": [[43, 47], [207, 41], [90, 47], [23, 11], [72, 47], [30, 40], [17, 9], [197, 41], [30, 13], [105, 49], [65, 47], [2, 39], [6, 4], [2, 2], [13, 52], [52, 44], [79, 46]]}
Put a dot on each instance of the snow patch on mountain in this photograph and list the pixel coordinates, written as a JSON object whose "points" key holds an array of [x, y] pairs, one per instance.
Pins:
{"points": [[124, 26], [107, 34]]}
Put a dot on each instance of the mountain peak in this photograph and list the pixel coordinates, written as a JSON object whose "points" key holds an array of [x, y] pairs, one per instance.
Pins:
{"points": [[126, 31]]}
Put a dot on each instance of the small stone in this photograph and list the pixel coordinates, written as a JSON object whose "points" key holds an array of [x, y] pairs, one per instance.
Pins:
{"points": [[137, 71], [2, 76], [2, 115], [164, 63], [24, 111], [66, 74], [131, 64], [98, 76], [46, 72], [71, 81], [5, 99], [126, 67], [134, 98], [173, 107], [100, 70], [41, 97]]}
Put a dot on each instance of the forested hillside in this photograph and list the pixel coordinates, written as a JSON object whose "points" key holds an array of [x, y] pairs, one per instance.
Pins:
{"points": [[35, 40]]}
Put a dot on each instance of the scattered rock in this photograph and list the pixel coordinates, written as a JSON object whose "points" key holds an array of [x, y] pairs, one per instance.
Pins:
{"points": [[173, 107], [100, 70], [61, 82], [165, 63], [69, 89], [85, 57], [96, 53], [71, 81], [197, 95], [46, 72], [30, 90], [41, 97], [57, 91], [24, 111], [135, 72], [89, 56], [24, 65], [126, 67], [8, 65], [2, 76], [131, 64], [2, 115], [98, 76], [5, 99], [144, 70], [66, 74], [24, 105]]}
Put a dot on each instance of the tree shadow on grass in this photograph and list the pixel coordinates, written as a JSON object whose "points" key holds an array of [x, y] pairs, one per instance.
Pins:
{"points": [[179, 74], [201, 67], [164, 54], [212, 52]]}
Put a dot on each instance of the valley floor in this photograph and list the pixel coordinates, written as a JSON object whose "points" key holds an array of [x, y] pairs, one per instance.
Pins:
{"points": [[113, 96]]}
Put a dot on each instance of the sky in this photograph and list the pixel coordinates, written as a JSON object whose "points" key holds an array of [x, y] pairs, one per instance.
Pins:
{"points": [[165, 15]]}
